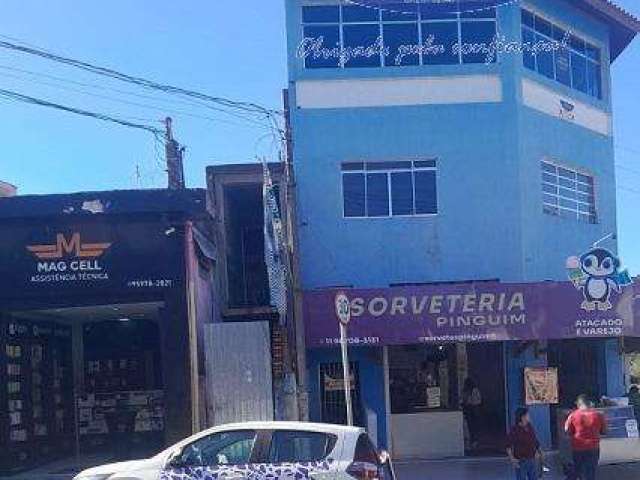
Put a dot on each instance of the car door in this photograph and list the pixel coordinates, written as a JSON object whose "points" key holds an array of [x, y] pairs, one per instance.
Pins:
{"points": [[227, 455], [301, 455]]}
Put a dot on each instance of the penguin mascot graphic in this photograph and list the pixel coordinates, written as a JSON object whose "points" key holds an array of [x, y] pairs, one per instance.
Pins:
{"points": [[600, 277]]}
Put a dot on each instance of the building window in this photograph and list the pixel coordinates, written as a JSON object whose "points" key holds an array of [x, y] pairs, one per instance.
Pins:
{"points": [[576, 65], [352, 36], [389, 189], [568, 193]]}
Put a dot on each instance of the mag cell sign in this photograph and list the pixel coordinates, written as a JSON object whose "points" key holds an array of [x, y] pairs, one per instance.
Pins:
{"points": [[103, 256]]}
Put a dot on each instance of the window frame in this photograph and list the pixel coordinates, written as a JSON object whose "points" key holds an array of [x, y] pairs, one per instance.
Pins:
{"points": [[257, 451], [331, 446], [389, 171], [459, 19], [570, 51], [577, 215]]}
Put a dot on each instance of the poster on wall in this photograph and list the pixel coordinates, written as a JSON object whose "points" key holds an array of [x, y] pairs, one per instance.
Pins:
{"points": [[541, 386], [335, 384]]}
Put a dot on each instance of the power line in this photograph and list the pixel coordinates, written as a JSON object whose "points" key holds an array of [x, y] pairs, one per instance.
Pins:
{"points": [[187, 101], [15, 96], [127, 102], [150, 84]]}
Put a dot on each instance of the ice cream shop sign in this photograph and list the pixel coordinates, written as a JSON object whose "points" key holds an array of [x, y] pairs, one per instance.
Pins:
{"points": [[469, 312]]}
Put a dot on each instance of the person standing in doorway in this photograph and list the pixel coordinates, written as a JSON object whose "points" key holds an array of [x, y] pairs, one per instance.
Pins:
{"points": [[471, 405], [523, 447], [634, 401], [585, 426]]}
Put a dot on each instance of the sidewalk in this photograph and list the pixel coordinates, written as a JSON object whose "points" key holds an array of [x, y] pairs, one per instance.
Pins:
{"points": [[452, 469], [493, 469], [64, 469]]}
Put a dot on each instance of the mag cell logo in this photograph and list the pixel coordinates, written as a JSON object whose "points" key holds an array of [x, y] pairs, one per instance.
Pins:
{"points": [[68, 259]]}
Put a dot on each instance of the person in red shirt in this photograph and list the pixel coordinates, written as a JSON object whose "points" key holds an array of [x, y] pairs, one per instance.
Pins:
{"points": [[585, 426], [523, 447]]}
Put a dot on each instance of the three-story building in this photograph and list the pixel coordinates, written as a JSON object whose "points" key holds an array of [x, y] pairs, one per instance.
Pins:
{"points": [[450, 145]]}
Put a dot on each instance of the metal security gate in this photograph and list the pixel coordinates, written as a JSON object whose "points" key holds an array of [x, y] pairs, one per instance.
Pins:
{"points": [[334, 408], [238, 372]]}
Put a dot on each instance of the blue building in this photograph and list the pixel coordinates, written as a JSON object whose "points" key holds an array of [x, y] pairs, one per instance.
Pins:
{"points": [[445, 142]]}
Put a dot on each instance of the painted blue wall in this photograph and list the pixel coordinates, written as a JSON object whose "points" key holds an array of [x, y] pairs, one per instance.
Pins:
{"points": [[371, 373], [490, 223], [516, 362]]}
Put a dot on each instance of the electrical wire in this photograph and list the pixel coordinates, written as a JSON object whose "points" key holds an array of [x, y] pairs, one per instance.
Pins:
{"points": [[127, 102], [150, 84], [15, 96], [271, 117], [186, 101]]}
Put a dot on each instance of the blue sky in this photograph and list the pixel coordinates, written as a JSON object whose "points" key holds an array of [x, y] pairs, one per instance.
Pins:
{"points": [[228, 48]]}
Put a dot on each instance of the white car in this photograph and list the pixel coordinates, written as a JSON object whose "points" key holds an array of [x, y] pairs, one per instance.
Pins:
{"points": [[260, 451]]}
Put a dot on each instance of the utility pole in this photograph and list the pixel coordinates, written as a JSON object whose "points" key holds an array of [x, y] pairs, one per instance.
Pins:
{"points": [[296, 327], [173, 154]]}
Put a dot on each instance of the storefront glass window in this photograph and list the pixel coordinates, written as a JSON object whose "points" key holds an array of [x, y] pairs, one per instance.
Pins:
{"points": [[423, 378]]}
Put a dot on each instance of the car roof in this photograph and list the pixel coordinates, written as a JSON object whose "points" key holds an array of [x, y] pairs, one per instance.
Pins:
{"points": [[304, 426], [263, 425]]}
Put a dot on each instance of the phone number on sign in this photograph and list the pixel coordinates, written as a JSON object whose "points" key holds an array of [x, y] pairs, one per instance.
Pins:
{"points": [[149, 283], [353, 341]]}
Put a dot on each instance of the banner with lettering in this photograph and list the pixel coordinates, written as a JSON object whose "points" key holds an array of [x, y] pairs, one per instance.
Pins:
{"points": [[470, 312], [72, 257]]}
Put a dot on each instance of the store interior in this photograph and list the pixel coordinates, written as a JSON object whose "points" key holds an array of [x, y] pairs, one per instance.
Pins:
{"points": [[82, 380], [429, 383]]}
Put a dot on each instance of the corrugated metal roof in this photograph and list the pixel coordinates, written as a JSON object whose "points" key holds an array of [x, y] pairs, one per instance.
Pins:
{"points": [[110, 202], [624, 25], [615, 12]]}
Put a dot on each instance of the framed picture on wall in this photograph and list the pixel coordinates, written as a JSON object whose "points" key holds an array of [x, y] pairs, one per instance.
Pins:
{"points": [[541, 386]]}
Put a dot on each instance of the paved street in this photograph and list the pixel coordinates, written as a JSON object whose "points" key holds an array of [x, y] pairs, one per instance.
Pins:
{"points": [[453, 469], [492, 469]]}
